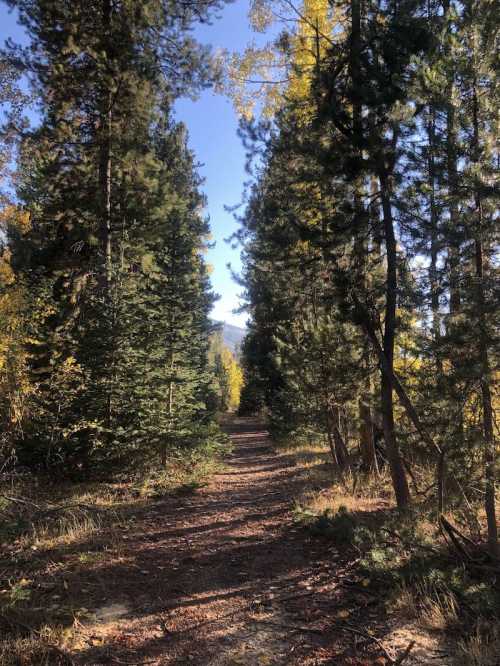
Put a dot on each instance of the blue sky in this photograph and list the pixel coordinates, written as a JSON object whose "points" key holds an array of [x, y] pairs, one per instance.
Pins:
{"points": [[212, 125]]}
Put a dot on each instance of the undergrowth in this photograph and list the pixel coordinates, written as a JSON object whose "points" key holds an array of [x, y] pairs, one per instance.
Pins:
{"points": [[405, 557], [186, 470]]}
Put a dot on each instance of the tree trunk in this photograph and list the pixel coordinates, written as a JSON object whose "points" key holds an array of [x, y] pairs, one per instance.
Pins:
{"points": [[366, 438], [369, 328], [453, 235], [355, 73], [105, 175], [434, 287], [331, 441], [361, 226], [170, 408], [341, 452], [490, 448], [105, 156], [434, 238], [441, 480], [398, 473]]}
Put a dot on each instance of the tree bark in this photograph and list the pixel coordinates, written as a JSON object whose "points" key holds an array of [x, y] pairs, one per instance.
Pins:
{"points": [[361, 230], [355, 72], [366, 438], [453, 232], [331, 442], [454, 243], [398, 473], [170, 407], [341, 451], [365, 320], [105, 177], [434, 238], [105, 173], [481, 265]]}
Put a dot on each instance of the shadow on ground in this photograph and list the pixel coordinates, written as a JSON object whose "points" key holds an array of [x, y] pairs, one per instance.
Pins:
{"points": [[220, 577]]}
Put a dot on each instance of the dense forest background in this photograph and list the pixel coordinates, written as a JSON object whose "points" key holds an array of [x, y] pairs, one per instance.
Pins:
{"points": [[105, 295], [370, 239]]}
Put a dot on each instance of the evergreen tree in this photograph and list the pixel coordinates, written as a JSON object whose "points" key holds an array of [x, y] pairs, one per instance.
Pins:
{"points": [[94, 177], [373, 209]]}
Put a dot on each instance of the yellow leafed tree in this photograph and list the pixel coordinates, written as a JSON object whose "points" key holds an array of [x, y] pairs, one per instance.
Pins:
{"points": [[14, 385], [264, 77], [228, 374]]}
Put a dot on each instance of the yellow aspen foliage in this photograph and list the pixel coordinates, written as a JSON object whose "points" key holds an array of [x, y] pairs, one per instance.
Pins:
{"points": [[11, 295], [230, 377], [235, 379], [308, 47], [264, 77], [407, 360], [14, 385], [228, 374], [15, 219]]}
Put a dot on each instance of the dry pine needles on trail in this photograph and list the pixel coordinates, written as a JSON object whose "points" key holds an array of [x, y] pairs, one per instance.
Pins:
{"points": [[222, 576]]}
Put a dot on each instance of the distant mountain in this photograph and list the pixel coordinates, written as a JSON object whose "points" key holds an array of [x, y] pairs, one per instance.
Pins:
{"points": [[232, 335]]}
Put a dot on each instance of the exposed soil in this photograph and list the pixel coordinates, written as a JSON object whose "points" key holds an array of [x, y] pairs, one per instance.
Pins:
{"points": [[223, 576]]}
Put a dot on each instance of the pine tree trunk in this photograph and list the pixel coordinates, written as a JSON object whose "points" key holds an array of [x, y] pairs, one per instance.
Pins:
{"points": [[341, 452], [454, 245], [434, 287], [368, 326], [105, 157], [367, 444], [106, 191], [452, 184], [490, 448], [105, 175], [354, 66], [360, 219], [331, 442], [490, 457], [398, 473], [170, 408], [366, 438], [453, 230], [434, 236]]}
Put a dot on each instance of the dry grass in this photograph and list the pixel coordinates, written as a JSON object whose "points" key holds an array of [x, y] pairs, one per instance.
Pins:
{"points": [[482, 648], [406, 604], [42, 649], [42, 540], [439, 612], [327, 490], [53, 534], [333, 500], [432, 611], [65, 530]]}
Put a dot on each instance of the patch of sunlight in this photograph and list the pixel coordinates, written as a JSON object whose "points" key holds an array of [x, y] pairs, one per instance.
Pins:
{"points": [[111, 612]]}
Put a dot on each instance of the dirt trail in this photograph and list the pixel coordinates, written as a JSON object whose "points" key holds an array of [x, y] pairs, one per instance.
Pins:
{"points": [[222, 577]]}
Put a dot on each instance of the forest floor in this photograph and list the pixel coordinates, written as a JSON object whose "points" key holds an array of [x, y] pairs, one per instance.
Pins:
{"points": [[221, 576]]}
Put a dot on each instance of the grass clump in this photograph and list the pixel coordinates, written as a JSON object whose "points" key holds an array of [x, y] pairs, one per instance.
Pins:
{"points": [[187, 468], [481, 647], [339, 526]]}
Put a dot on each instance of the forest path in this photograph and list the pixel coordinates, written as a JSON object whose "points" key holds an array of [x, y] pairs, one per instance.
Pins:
{"points": [[223, 577]]}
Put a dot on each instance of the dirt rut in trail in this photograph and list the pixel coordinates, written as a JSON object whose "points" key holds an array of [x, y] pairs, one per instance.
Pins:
{"points": [[222, 577]]}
